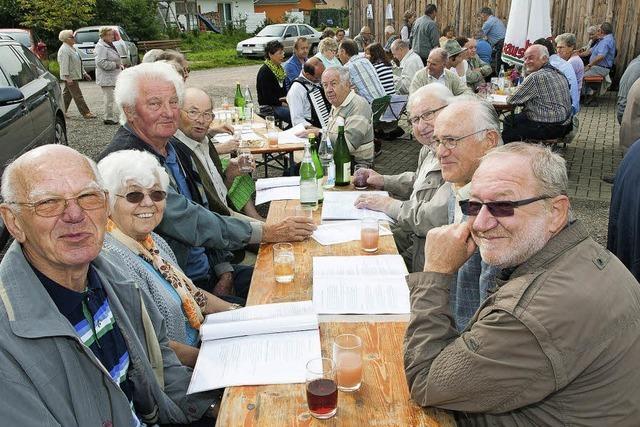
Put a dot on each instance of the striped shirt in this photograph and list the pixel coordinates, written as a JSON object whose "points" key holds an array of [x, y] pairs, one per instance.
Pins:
{"points": [[364, 78], [385, 74], [90, 315]]}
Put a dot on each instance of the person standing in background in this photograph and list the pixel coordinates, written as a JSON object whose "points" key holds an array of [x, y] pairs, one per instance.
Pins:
{"points": [[108, 67], [70, 72], [409, 19], [425, 33]]}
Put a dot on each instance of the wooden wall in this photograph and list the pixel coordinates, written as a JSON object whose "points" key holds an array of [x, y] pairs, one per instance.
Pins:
{"points": [[566, 16]]}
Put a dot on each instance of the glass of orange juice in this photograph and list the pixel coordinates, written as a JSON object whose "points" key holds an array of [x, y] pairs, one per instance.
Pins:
{"points": [[283, 262], [347, 355], [369, 234]]}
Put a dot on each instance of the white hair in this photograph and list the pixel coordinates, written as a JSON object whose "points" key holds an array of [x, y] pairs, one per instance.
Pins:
{"points": [[568, 38], [129, 80], [343, 73], [389, 29], [327, 44], [131, 167], [436, 90], [151, 55], [64, 35], [481, 114]]}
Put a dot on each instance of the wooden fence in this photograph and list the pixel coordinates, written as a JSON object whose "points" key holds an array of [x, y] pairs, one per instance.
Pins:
{"points": [[573, 16]]}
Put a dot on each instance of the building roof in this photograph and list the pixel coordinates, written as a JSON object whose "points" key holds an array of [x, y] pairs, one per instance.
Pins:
{"points": [[274, 2]]}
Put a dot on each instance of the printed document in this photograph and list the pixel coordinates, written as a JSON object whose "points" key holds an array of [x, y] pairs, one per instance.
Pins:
{"points": [[281, 188], [340, 232], [340, 205]]}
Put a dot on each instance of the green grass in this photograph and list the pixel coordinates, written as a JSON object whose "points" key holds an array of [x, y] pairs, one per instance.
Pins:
{"points": [[210, 50]]}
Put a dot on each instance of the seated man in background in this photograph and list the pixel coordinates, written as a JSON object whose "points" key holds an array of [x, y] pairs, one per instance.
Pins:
{"points": [[362, 74], [293, 66], [82, 345], [307, 103], [150, 97], [410, 64], [354, 110], [545, 98], [363, 39], [414, 210], [567, 70], [557, 341], [478, 70], [602, 55], [436, 72]]}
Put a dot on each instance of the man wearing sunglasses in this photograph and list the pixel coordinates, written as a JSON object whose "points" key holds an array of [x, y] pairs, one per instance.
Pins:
{"points": [[557, 340]]}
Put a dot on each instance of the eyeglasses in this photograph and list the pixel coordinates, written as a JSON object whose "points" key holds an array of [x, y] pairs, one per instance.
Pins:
{"points": [[452, 143], [138, 196], [499, 209], [194, 115], [55, 206], [426, 116]]}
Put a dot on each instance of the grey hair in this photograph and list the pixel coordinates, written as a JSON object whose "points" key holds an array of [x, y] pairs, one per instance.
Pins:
{"points": [[542, 50], [343, 73], [606, 27], [481, 114], [440, 52], [567, 38], [152, 55], [123, 168], [436, 90], [549, 168], [128, 82], [327, 44], [400, 44], [64, 35], [592, 29], [104, 30], [389, 29]]}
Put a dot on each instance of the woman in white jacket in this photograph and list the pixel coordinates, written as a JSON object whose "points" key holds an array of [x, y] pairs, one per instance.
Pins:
{"points": [[108, 66]]}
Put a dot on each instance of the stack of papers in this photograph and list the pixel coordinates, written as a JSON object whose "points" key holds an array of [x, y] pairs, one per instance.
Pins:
{"points": [[340, 205], [263, 344], [360, 285], [281, 188], [499, 98], [289, 135], [341, 232]]}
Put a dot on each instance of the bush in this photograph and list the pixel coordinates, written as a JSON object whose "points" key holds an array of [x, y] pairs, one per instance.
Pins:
{"points": [[322, 18], [139, 18]]}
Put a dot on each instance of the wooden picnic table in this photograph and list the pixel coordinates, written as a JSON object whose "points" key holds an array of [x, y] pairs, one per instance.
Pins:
{"points": [[383, 399]]}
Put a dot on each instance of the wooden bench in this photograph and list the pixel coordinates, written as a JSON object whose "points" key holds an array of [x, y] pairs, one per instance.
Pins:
{"points": [[594, 82], [147, 45]]}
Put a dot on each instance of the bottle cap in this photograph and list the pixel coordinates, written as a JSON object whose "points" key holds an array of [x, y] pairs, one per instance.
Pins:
{"points": [[340, 121], [312, 135]]}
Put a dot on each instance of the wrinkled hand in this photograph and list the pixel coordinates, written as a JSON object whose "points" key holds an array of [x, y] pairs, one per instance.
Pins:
{"points": [[293, 228], [224, 286], [447, 248], [374, 179], [227, 147], [305, 133], [87, 77], [233, 170], [375, 202]]}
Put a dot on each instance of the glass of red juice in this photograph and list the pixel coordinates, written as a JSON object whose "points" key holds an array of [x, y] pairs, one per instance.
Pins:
{"points": [[322, 389], [360, 175]]}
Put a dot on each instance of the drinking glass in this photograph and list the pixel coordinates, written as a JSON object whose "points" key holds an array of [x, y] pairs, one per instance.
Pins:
{"points": [[360, 177], [322, 392], [225, 103], [272, 130], [369, 234], [245, 160], [283, 262], [347, 355]]}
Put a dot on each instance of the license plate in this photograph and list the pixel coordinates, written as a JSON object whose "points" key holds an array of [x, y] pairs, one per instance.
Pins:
{"points": [[247, 50], [90, 51]]}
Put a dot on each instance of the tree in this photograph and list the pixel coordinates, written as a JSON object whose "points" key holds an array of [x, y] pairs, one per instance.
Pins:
{"points": [[56, 15], [9, 13], [138, 17]]}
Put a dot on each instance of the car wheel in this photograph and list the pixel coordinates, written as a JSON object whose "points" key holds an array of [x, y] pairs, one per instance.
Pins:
{"points": [[61, 132]]}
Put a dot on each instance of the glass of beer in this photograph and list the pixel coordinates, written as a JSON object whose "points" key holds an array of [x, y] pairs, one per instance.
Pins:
{"points": [[369, 234], [283, 262], [360, 177], [322, 391], [347, 355], [245, 160]]}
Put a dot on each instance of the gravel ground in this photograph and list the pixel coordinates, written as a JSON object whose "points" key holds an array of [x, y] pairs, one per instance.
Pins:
{"points": [[91, 136]]}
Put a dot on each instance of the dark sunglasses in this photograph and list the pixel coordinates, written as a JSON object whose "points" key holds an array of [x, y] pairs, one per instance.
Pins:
{"points": [[499, 209], [138, 196]]}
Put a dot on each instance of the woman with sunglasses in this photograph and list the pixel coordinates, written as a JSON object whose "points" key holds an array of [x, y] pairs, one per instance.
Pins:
{"points": [[137, 190]]}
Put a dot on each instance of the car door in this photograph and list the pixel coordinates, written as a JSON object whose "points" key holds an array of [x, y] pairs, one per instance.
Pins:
{"points": [[132, 49], [290, 37], [16, 131], [37, 93]]}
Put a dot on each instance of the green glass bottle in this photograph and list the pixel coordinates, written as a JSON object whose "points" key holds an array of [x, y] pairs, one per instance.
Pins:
{"points": [[239, 101], [341, 156], [308, 181], [317, 164]]}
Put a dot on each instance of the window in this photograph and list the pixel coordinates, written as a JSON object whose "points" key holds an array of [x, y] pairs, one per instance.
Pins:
{"points": [[124, 36], [291, 31], [90, 36], [224, 10], [304, 30], [18, 71], [3, 80], [34, 63]]}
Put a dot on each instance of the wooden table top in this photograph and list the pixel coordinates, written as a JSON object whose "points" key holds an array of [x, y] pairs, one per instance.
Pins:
{"points": [[383, 399]]}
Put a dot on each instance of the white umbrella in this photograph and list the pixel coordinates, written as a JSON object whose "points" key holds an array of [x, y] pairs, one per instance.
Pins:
{"points": [[529, 20]]}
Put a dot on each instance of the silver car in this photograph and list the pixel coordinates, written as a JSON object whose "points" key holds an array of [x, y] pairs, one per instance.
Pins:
{"points": [[287, 34], [87, 37]]}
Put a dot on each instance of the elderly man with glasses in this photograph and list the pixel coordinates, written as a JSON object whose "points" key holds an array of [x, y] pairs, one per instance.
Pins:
{"points": [[82, 345], [413, 206], [557, 340]]}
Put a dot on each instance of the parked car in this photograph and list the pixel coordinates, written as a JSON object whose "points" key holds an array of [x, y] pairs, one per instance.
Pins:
{"points": [[87, 37], [26, 38], [30, 107], [287, 34]]}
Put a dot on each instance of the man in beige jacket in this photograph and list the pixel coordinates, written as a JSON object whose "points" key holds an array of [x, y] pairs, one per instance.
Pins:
{"points": [[558, 338]]}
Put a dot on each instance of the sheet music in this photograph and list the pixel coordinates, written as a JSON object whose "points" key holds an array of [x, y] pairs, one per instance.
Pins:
{"points": [[277, 193], [289, 136], [281, 181], [360, 285], [340, 205], [340, 232]]}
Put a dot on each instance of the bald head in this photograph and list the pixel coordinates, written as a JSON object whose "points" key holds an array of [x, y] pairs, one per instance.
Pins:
{"points": [[535, 57], [196, 114], [313, 69]]}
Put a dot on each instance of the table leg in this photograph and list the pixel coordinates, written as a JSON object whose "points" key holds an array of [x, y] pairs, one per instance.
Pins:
{"points": [[265, 158]]}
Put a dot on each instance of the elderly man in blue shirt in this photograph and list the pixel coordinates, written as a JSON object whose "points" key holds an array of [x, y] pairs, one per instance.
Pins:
{"points": [[494, 30], [602, 54]]}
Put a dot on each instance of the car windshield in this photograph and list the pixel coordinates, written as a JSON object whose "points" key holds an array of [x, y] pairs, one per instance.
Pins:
{"points": [[22, 38], [272, 31], [87, 36]]}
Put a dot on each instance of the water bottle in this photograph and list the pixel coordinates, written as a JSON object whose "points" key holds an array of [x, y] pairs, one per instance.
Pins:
{"points": [[308, 180], [501, 78], [325, 152], [248, 99]]}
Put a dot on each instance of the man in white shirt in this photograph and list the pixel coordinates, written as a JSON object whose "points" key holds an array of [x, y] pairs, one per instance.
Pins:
{"points": [[410, 64], [307, 103]]}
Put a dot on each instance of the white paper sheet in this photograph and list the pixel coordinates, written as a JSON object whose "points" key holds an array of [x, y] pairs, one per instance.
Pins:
{"points": [[340, 232], [222, 137], [217, 331], [360, 285], [282, 181], [289, 136], [499, 98], [277, 193], [339, 205]]}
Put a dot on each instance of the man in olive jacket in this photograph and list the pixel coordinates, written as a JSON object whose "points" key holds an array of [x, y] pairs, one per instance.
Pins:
{"points": [[557, 342]]}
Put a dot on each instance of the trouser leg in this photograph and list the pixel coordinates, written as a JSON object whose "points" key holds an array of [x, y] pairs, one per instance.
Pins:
{"points": [[76, 93], [109, 110], [66, 96]]}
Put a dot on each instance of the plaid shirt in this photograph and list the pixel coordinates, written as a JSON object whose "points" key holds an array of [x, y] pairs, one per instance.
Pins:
{"points": [[545, 96], [365, 78]]}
